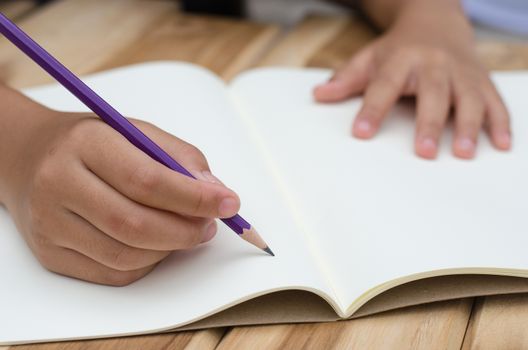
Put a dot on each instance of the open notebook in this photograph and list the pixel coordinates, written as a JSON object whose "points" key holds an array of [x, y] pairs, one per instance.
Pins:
{"points": [[348, 220]]}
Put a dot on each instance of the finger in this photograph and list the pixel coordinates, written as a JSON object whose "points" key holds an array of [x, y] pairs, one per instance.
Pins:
{"points": [[498, 119], [184, 153], [433, 103], [79, 235], [131, 223], [142, 179], [73, 264], [348, 81], [381, 94], [469, 116]]}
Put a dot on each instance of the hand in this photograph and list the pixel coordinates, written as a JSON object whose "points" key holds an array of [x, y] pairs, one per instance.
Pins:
{"points": [[428, 54], [92, 206]]}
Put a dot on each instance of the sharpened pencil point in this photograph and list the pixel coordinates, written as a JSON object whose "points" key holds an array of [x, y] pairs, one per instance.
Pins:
{"points": [[251, 235], [268, 250]]}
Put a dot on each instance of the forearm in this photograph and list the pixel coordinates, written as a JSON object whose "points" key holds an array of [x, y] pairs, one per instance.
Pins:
{"points": [[384, 13], [19, 122]]}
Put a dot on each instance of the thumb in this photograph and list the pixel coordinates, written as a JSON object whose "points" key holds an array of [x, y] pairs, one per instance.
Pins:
{"points": [[348, 81]]}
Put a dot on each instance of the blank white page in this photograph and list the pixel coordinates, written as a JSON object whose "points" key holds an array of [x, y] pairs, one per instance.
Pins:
{"points": [[192, 104], [377, 212]]}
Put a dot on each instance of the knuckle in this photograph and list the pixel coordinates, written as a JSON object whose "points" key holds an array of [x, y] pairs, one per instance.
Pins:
{"points": [[190, 149], [193, 235], [201, 201], [407, 53], [430, 125], [371, 111], [469, 125], [45, 176], [128, 228], [389, 80], [438, 86], [193, 152], [124, 258], [121, 278], [501, 120], [143, 125], [84, 126], [438, 57], [144, 180]]}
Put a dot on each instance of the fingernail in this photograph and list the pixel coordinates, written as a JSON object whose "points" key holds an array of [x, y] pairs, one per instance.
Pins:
{"points": [[362, 128], [466, 145], [428, 143], [206, 175], [228, 207], [504, 139], [210, 232], [428, 147]]}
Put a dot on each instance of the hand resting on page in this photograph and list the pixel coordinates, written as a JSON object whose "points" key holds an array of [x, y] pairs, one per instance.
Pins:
{"points": [[428, 52]]}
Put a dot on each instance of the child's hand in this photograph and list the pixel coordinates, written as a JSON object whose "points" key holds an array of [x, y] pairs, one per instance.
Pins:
{"points": [[92, 206], [428, 54]]}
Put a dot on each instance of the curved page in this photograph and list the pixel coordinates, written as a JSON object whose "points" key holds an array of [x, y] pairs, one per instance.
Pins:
{"points": [[375, 211]]}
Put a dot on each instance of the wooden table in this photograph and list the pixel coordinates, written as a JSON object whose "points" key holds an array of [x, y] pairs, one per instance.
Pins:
{"points": [[131, 31]]}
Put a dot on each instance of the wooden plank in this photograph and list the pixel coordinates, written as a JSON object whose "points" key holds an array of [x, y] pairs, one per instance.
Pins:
{"points": [[498, 322], [70, 29], [16, 9], [207, 339], [222, 45], [132, 31], [503, 56], [336, 51], [304, 41], [434, 326]]}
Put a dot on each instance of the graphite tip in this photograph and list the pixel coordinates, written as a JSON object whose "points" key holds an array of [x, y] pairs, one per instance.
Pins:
{"points": [[269, 251]]}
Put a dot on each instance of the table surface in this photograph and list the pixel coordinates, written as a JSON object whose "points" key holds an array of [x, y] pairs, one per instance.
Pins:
{"points": [[131, 31]]}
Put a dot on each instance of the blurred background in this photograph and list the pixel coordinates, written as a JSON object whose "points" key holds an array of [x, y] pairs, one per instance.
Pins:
{"points": [[287, 13], [284, 12]]}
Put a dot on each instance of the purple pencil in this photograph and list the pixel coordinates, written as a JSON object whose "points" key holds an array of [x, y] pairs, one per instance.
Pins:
{"points": [[112, 117]]}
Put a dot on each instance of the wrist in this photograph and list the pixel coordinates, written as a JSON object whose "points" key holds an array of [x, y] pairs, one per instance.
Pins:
{"points": [[438, 22], [387, 13], [20, 121], [428, 13]]}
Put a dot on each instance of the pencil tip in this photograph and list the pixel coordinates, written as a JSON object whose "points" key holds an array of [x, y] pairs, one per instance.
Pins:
{"points": [[251, 235], [269, 251]]}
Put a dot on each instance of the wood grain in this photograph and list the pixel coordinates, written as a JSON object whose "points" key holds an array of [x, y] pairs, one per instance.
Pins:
{"points": [[222, 45], [15, 9], [296, 48], [503, 56], [207, 339], [83, 34], [434, 326], [499, 322], [132, 31], [336, 51]]}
